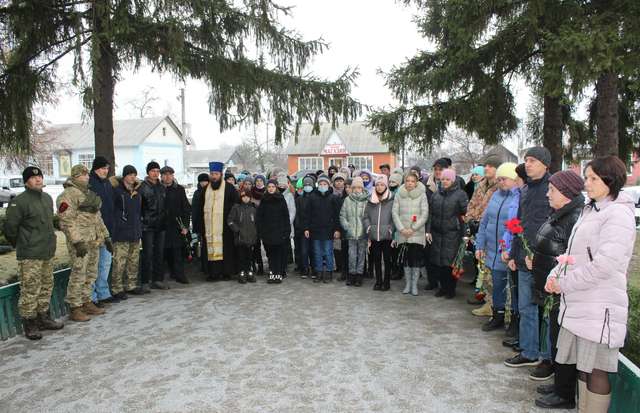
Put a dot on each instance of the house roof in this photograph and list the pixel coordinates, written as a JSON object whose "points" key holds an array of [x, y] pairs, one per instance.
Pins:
{"points": [[501, 151], [126, 132], [356, 136], [203, 157]]}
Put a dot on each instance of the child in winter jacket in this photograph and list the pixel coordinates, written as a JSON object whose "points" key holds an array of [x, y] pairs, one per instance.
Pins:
{"points": [[351, 215], [378, 224], [242, 221]]}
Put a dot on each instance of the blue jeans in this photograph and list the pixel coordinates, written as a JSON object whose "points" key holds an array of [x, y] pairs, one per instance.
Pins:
{"points": [[101, 287], [323, 252], [499, 289], [529, 321], [305, 243]]}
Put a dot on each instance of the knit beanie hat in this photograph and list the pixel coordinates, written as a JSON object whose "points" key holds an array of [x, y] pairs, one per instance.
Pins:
{"points": [[78, 170], [249, 179], [346, 172], [522, 172], [569, 183], [493, 160], [152, 165], [264, 180], [31, 171], [478, 170], [282, 180], [382, 178], [130, 169], [540, 153], [203, 178], [245, 192], [507, 170], [272, 181], [449, 174], [323, 178], [308, 181], [395, 178], [338, 175], [398, 170], [441, 163], [357, 181], [99, 162]]}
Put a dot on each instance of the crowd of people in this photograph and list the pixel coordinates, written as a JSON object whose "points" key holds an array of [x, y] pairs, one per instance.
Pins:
{"points": [[551, 265]]}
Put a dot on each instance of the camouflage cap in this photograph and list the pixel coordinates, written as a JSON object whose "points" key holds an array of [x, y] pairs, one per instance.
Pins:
{"points": [[78, 170]]}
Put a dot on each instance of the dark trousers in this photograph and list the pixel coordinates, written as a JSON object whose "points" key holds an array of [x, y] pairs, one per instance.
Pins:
{"points": [[203, 255], [447, 283], [245, 257], [276, 254], [175, 258], [303, 252], [381, 250], [566, 375], [433, 276], [152, 251], [257, 254]]}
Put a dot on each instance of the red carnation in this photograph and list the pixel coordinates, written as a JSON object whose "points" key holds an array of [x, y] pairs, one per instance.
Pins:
{"points": [[414, 218]]}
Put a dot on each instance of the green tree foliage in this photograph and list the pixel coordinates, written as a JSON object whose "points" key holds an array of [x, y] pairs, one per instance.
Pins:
{"points": [[250, 62]]}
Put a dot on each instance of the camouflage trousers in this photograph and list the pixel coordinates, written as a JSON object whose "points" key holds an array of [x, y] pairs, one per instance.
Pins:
{"points": [[126, 260], [84, 271], [36, 283]]}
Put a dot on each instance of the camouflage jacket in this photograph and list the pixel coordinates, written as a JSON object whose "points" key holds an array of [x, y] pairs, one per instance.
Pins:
{"points": [[79, 212], [480, 200]]}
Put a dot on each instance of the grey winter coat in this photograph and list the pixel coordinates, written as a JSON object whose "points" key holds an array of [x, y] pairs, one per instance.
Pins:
{"points": [[446, 224], [378, 220], [242, 221], [411, 210], [351, 215]]}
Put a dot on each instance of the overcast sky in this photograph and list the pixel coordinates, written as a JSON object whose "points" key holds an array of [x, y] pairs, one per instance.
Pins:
{"points": [[367, 34]]}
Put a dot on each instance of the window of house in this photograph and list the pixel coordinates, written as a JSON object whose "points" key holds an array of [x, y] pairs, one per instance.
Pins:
{"points": [[46, 164], [164, 131], [361, 162], [311, 162], [86, 159]]}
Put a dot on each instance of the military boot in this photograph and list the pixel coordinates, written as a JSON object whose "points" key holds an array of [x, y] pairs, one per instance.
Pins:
{"points": [[30, 326], [91, 309], [78, 315], [45, 322], [484, 311]]}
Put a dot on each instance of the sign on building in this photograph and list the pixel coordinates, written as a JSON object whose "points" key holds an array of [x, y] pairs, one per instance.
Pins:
{"points": [[334, 146]]}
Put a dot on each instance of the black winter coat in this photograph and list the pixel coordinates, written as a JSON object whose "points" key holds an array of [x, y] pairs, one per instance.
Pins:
{"points": [[104, 189], [533, 212], [153, 209], [551, 241], [196, 213], [127, 205], [322, 215], [273, 219], [301, 207], [445, 224], [176, 207]]}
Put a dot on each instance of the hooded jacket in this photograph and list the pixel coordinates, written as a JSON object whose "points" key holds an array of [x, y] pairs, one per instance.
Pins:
{"points": [[411, 210], [492, 227], [273, 219], [378, 219], [351, 215], [127, 206], [322, 215], [594, 303]]}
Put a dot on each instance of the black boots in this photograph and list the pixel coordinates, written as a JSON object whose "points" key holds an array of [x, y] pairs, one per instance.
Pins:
{"points": [[30, 326], [328, 277], [358, 280], [45, 322], [319, 278], [242, 278], [496, 321]]}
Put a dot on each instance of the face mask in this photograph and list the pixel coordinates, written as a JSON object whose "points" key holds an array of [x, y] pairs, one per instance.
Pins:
{"points": [[323, 189], [299, 191], [281, 190], [307, 188]]}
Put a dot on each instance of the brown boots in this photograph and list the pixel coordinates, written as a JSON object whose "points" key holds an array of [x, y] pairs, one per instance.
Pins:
{"points": [[45, 322], [91, 309], [30, 326], [78, 315]]}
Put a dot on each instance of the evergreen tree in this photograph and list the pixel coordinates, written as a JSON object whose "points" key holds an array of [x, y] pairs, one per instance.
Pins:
{"points": [[249, 61]]}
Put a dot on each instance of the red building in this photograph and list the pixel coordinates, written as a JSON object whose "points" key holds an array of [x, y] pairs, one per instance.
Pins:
{"points": [[352, 143]]}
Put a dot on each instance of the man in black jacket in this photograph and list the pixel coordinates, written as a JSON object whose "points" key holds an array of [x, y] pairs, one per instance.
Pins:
{"points": [[99, 183], [196, 218], [533, 212], [153, 229], [177, 214]]}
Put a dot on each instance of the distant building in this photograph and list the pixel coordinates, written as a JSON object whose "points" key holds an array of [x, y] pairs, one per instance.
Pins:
{"points": [[352, 143], [136, 142], [197, 162]]}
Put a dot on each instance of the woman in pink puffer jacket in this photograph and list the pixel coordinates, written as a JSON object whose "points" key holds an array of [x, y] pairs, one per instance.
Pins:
{"points": [[593, 307]]}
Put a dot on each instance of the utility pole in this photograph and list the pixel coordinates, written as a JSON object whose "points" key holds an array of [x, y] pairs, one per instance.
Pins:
{"points": [[184, 131]]}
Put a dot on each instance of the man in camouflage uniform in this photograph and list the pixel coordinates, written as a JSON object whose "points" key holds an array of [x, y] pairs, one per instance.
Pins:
{"points": [[29, 228], [81, 222]]}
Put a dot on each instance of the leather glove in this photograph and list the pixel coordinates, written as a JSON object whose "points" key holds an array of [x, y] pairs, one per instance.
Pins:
{"points": [[108, 245], [81, 248]]}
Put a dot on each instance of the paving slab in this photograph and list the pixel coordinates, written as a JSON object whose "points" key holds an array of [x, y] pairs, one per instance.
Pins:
{"points": [[293, 347]]}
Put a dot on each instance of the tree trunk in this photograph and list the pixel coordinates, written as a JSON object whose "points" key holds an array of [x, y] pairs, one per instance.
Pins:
{"points": [[552, 131], [607, 139], [103, 83]]}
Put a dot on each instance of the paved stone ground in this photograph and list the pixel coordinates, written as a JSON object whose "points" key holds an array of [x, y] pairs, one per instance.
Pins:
{"points": [[293, 347]]}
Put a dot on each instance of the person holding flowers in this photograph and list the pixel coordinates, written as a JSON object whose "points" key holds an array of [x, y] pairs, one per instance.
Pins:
{"points": [[533, 211], [445, 230], [488, 240], [594, 303], [551, 242]]}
